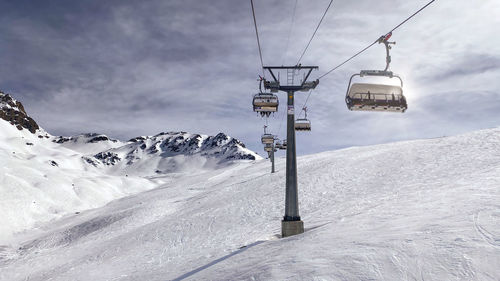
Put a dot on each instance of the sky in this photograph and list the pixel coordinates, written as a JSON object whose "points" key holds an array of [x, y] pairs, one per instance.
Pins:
{"points": [[129, 68]]}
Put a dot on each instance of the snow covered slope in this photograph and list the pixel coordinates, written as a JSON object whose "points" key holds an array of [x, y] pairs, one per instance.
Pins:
{"points": [[40, 180], [43, 178], [416, 210]]}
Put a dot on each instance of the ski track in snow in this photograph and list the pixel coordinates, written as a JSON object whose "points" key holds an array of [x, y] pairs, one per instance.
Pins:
{"points": [[415, 210]]}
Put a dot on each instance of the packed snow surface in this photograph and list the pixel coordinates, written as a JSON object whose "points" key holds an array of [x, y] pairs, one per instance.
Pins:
{"points": [[415, 210], [43, 178]]}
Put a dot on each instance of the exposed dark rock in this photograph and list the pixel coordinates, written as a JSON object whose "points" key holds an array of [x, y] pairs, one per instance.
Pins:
{"points": [[13, 112], [137, 139], [92, 161], [98, 139], [61, 139], [88, 138], [108, 158]]}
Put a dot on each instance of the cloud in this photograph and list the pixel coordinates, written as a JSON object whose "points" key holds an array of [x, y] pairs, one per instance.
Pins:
{"points": [[128, 68]]}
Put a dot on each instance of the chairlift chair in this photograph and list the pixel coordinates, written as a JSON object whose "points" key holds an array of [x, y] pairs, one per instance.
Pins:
{"points": [[303, 124], [377, 97], [265, 102], [278, 144], [267, 139], [281, 145], [269, 147]]}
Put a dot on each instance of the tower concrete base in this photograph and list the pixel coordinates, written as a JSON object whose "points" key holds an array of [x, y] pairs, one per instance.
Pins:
{"points": [[289, 228]]}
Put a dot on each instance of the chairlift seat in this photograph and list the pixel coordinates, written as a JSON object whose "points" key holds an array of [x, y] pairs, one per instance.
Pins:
{"points": [[376, 97], [265, 102], [302, 125], [267, 139], [268, 147]]}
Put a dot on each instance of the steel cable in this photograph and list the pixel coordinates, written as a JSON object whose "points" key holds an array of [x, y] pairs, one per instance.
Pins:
{"points": [[314, 33], [258, 41], [366, 48]]}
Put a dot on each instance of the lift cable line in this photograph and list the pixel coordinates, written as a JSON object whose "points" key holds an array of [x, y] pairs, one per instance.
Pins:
{"points": [[290, 31], [376, 41], [314, 33], [258, 41]]}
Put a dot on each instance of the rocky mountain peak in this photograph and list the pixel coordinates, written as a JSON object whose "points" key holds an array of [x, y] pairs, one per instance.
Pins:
{"points": [[84, 138], [13, 112], [219, 149]]}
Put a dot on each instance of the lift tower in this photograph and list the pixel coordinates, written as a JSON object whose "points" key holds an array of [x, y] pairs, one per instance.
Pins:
{"points": [[291, 223]]}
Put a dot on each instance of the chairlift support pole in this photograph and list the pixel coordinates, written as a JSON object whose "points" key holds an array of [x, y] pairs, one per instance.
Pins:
{"points": [[272, 160], [291, 223]]}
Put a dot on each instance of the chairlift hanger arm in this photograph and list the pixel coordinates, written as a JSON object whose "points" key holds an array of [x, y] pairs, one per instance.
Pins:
{"points": [[385, 40]]}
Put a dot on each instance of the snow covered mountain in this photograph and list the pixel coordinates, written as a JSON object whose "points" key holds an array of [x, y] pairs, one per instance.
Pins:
{"points": [[414, 210], [90, 143], [172, 152], [43, 177]]}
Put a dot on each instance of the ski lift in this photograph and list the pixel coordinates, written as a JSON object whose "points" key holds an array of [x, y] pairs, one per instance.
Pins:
{"points": [[269, 147], [377, 97], [265, 103], [281, 145], [303, 124], [267, 138]]}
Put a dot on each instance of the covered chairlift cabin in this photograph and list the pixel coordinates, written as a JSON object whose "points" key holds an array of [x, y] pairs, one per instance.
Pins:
{"points": [[266, 137], [377, 97], [265, 103], [303, 124]]}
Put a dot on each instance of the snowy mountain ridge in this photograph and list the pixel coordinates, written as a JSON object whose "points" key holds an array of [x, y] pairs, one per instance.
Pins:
{"points": [[43, 177]]}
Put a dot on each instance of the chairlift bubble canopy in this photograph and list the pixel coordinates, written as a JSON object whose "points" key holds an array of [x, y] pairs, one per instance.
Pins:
{"points": [[377, 97], [302, 124], [267, 139], [265, 102]]}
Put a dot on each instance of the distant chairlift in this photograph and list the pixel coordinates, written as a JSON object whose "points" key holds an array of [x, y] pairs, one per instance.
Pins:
{"points": [[267, 138], [281, 145], [268, 147], [303, 124], [377, 97]]}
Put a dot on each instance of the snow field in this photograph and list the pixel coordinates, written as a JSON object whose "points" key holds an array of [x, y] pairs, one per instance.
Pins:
{"points": [[416, 210]]}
